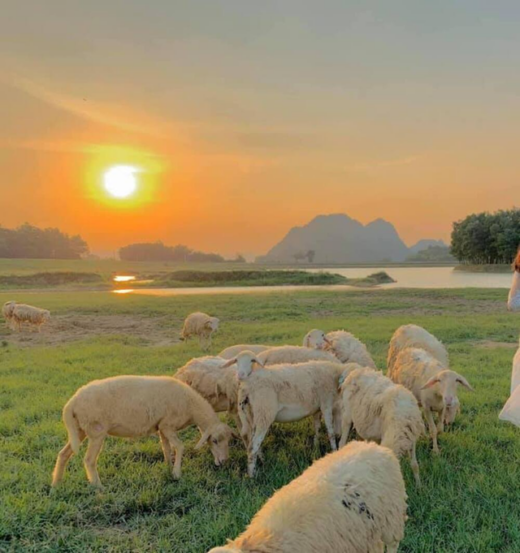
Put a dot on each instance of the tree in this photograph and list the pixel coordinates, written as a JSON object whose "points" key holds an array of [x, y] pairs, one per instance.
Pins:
{"points": [[157, 251], [311, 254], [487, 238]]}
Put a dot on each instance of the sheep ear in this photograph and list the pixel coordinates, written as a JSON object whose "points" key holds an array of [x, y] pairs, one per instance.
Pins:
{"points": [[433, 380], [258, 362], [229, 363], [464, 382], [204, 438]]}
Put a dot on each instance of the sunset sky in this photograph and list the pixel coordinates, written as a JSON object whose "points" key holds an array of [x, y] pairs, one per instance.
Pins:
{"points": [[248, 117]]}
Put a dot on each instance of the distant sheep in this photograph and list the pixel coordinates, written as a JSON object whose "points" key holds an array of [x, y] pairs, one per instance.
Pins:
{"points": [[135, 406], [202, 326], [351, 501], [434, 387], [34, 316], [382, 411], [7, 312], [233, 351], [413, 336], [283, 393], [316, 339]]}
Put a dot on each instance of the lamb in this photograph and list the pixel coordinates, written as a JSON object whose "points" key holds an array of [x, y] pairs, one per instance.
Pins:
{"points": [[294, 354], [413, 336], [382, 411], [7, 312], [348, 349], [283, 393], [35, 316], [135, 406], [200, 325], [434, 387], [353, 500], [233, 351]]}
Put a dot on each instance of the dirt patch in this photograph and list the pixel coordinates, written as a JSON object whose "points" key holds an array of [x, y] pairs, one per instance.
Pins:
{"points": [[72, 327], [490, 344]]}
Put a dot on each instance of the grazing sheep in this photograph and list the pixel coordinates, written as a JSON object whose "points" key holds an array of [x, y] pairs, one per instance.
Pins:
{"points": [[382, 411], [413, 336], [316, 339], [200, 325], [352, 501], [294, 354], [35, 316], [7, 312], [283, 393], [434, 387], [233, 351], [348, 349], [135, 406]]}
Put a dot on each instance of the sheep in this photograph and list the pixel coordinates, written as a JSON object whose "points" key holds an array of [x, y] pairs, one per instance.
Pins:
{"points": [[293, 355], [344, 345], [7, 312], [135, 406], [283, 393], [382, 411], [353, 500], [233, 351], [413, 336], [35, 316], [433, 385], [316, 339], [200, 325]]}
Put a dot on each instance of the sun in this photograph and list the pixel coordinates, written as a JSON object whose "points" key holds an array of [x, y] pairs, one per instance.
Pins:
{"points": [[121, 181]]}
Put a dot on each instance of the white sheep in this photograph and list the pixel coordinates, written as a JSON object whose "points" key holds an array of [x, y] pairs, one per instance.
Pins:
{"points": [[353, 500], [413, 336], [34, 316], [433, 385], [7, 312], [382, 411], [200, 325], [283, 393], [135, 406], [233, 351], [293, 354], [344, 345]]}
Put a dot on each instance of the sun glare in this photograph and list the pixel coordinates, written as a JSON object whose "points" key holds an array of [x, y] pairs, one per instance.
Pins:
{"points": [[121, 181]]}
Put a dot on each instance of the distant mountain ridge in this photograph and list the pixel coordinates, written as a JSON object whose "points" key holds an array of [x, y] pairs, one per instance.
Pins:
{"points": [[338, 238]]}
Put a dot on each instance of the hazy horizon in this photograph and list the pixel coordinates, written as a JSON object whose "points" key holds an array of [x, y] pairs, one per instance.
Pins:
{"points": [[246, 119]]}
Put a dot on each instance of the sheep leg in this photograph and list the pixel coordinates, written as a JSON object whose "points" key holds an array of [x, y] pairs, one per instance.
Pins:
{"points": [[178, 446], [392, 547], [167, 450], [346, 427], [256, 444], [433, 429], [317, 427], [440, 422], [61, 462], [91, 457], [329, 424], [415, 466]]}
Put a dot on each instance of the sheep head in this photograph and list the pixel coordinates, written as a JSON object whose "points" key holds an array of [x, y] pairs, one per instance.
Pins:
{"points": [[245, 362], [218, 436], [316, 339]]}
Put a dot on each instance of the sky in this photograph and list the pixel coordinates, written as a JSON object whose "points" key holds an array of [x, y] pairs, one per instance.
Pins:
{"points": [[246, 118]]}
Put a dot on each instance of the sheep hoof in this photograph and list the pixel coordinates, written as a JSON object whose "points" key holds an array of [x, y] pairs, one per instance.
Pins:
{"points": [[176, 475]]}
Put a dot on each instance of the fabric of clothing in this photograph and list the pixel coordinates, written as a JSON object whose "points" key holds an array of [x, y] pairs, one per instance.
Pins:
{"points": [[513, 302]]}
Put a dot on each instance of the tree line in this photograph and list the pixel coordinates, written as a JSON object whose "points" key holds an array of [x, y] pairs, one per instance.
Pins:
{"points": [[29, 242], [157, 251], [487, 238]]}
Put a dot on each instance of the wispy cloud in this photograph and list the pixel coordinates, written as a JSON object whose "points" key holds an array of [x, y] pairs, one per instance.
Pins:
{"points": [[121, 117], [374, 165]]}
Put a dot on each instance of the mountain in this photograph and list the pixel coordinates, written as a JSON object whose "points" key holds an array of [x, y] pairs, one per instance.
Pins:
{"points": [[339, 239], [425, 244]]}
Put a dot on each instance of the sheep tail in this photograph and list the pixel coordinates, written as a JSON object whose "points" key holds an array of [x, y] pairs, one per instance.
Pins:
{"points": [[72, 426]]}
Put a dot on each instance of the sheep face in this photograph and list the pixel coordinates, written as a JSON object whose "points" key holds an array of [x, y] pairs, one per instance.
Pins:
{"points": [[445, 384], [8, 308], [245, 362], [46, 316], [316, 339], [218, 437], [212, 324]]}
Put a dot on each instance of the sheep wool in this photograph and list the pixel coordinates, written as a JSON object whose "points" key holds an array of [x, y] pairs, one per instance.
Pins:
{"points": [[34, 316], [233, 351], [348, 349], [294, 354], [202, 326], [353, 500]]}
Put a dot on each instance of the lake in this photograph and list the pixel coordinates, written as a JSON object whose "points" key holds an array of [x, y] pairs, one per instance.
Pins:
{"points": [[406, 277]]}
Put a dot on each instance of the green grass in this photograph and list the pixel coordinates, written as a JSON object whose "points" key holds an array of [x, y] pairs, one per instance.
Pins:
{"points": [[470, 496]]}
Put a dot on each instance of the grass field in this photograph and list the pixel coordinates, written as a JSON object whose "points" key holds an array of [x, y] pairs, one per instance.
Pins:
{"points": [[470, 496]]}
